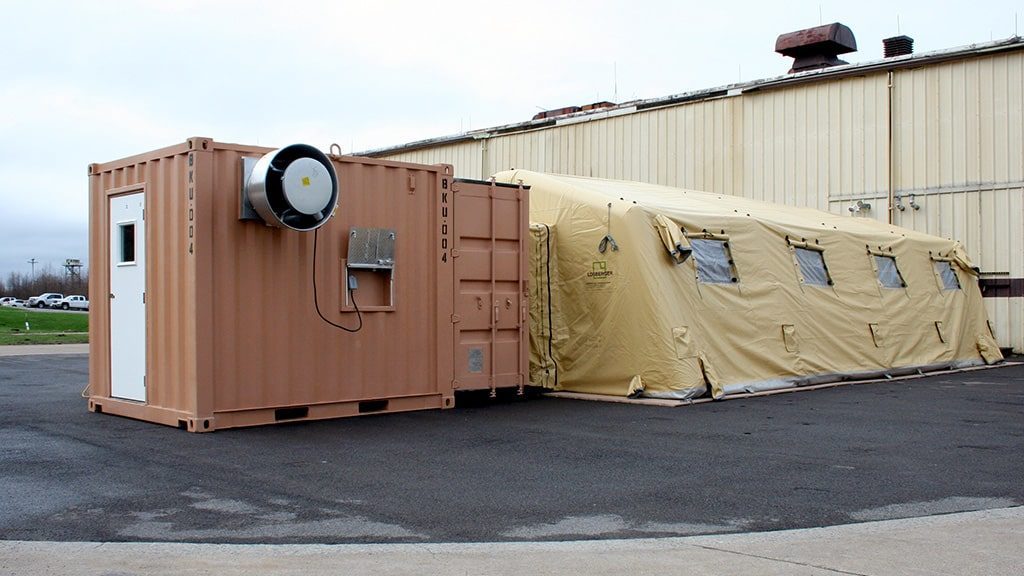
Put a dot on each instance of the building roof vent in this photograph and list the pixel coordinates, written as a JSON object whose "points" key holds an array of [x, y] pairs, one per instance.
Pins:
{"points": [[898, 46], [816, 47], [557, 112], [573, 109]]}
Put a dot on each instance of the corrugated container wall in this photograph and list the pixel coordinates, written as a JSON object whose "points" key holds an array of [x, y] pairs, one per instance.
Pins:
{"points": [[950, 158], [227, 329]]}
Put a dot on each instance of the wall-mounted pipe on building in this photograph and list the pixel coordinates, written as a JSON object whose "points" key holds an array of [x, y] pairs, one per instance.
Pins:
{"points": [[889, 147]]}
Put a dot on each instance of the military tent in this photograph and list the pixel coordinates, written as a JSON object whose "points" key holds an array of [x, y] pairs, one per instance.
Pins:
{"points": [[639, 289]]}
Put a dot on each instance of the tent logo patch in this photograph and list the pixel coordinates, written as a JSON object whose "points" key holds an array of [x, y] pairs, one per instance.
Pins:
{"points": [[599, 277], [599, 269]]}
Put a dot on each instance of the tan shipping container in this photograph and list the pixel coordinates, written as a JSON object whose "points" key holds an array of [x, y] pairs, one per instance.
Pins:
{"points": [[210, 321]]}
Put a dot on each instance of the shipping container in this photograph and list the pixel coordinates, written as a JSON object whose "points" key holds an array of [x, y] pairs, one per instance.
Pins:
{"points": [[399, 289]]}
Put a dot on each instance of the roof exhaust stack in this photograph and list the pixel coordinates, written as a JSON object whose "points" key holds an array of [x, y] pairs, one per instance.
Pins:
{"points": [[573, 109], [817, 47], [898, 46]]}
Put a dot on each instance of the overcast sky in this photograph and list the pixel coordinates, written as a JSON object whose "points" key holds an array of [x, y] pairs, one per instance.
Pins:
{"points": [[84, 82]]}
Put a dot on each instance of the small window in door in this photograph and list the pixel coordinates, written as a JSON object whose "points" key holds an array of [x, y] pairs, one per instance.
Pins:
{"points": [[127, 243]]}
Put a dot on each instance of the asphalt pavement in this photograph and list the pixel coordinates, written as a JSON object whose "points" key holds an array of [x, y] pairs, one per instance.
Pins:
{"points": [[540, 469]]}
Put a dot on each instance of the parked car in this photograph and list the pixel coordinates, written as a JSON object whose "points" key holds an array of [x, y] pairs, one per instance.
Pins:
{"points": [[14, 303], [6, 299], [44, 299], [71, 302]]}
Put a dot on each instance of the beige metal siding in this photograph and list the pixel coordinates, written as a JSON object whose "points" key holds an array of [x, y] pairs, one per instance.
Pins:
{"points": [[960, 123], [960, 151], [957, 145], [677, 146], [465, 154], [807, 143]]}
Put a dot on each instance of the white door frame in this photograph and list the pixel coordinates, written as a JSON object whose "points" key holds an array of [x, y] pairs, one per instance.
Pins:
{"points": [[127, 280]]}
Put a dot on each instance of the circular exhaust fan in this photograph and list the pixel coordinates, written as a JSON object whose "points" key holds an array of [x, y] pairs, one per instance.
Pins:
{"points": [[295, 187]]}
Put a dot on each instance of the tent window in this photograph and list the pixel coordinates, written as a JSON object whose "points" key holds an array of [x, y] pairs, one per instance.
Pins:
{"points": [[714, 261], [888, 274], [945, 271], [812, 267]]}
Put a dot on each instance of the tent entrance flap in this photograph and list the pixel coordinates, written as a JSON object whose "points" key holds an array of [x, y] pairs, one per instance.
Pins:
{"points": [[544, 293]]}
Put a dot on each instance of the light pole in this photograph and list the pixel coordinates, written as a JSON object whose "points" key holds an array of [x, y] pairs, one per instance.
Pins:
{"points": [[33, 263]]}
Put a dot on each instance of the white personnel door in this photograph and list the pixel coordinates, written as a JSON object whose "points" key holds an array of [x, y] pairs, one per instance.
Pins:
{"points": [[128, 297]]}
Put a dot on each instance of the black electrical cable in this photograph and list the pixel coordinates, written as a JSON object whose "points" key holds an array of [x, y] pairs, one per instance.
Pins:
{"points": [[316, 301]]}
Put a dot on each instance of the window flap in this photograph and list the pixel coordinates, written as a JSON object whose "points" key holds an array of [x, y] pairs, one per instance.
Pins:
{"points": [[708, 236], [959, 257], [673, 239], [804, 244]]}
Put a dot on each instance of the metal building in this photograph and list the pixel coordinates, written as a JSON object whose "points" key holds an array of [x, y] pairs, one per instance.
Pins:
{"points": [[933, 142]]}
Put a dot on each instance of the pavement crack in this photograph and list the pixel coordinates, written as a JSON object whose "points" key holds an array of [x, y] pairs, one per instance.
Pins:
{"points": [[794, 562]]}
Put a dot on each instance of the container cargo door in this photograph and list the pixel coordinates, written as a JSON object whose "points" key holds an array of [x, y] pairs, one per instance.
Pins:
{"points": [[128, 297], [490, 285]]}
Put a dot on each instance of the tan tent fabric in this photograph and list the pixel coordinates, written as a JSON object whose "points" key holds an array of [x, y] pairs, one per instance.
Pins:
{"points": [[545, 308], [696, 291]]}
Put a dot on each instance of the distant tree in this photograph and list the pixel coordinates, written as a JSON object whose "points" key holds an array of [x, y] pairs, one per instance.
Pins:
{"points": [[24, 286]]}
